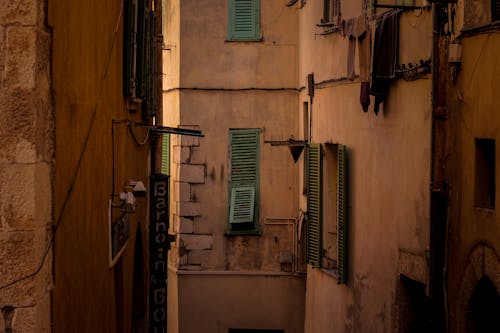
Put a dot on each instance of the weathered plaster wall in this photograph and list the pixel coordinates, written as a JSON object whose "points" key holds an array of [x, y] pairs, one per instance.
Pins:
{"points": [[388, 173], [87, 69], [241, 301], [475, 236], [223, 85], [26, 166]]}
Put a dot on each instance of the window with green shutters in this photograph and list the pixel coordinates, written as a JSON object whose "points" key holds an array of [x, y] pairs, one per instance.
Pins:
{"points": [[244, 180], [140, 60], [326, 208], [165, 154], [314, 205], [244, 20]]}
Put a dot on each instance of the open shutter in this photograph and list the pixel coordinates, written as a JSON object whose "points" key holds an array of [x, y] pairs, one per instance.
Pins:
{"points": [[314, 205], [165, 154], [244, 182], [244, 20], [342, 214], [142, 36], [150, 99], [495, 10], [129, 47], [242, 204]]}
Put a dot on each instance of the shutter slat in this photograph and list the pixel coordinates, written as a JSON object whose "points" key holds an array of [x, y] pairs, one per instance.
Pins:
{"points": [[165, 154], [314, 205], [242, 205], [341, 214]]}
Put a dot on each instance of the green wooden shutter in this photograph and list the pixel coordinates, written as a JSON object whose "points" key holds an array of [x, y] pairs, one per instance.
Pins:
{"points": [[150, 99], [244, 20], [142, 36], [165, 154], [326, 11], [342, 214], [244, 173], [129, 47], [314, 204]]}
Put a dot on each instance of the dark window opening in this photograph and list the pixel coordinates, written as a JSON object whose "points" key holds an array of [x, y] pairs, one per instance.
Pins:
{"points": [[495, 10], [484, 308], [484, 192], [414, 307]]}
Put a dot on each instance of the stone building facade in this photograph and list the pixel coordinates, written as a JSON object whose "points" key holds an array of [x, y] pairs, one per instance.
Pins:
{"points": [[26, 167]]}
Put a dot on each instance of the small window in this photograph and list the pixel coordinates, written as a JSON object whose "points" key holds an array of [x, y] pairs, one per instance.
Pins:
{"points": [[495, 10], [331, 11], [244, 20], [326, 208], [484, 192]]}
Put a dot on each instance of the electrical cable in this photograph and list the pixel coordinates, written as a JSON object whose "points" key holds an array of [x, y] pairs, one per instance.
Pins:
{"points": [[79, 163]]}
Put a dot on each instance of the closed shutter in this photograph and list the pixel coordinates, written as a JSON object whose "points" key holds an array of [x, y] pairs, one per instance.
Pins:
{"points": [[314, 205], [495, 10], [244, 173], [342, 214], [165, 154], [244, 20], [129, 48]]}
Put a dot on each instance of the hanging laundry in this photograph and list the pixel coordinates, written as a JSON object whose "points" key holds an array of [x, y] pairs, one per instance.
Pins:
{"points": [[363, 33], [385, 50]]}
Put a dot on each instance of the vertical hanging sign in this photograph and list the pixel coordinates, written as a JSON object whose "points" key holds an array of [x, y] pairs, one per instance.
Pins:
{"points": [[158, 246]]}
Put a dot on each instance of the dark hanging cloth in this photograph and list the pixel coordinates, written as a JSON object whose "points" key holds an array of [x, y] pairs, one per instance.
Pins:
{"points": [[385, 50], [364, 47]]}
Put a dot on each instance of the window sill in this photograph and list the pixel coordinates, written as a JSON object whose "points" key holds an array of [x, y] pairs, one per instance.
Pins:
{"points": [[250, 40], [331, 272], [252, 232]]}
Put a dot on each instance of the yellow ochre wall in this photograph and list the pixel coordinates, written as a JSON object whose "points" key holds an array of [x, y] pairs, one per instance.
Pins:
{"points": [[88, 295]]}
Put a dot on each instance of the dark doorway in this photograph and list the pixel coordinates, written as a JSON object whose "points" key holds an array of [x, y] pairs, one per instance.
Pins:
{"points": [[138, 293], [483, 310]]}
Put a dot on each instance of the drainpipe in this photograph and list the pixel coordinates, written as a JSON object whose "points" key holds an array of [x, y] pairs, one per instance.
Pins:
{"points": [[438, 187]]}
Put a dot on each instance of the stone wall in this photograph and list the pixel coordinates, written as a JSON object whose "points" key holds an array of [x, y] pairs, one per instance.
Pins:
{"points": [[26, 166]]}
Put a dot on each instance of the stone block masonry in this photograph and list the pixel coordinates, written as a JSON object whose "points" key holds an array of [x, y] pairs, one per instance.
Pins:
{"points": [[194, 247], [26, 166]]}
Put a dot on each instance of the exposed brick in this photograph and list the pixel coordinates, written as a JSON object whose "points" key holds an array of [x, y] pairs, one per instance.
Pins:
{"points": [[189, 141], [16, 255], [20, 66], [197, 242], [181, 154], [477, 261], [189, 173], [189, 209], [23, 189], [413, 266], [191, 267], [24, 321], [492, 266], [198, 257], [19, 11], [2, 55], [185, 226], [182, 191]]}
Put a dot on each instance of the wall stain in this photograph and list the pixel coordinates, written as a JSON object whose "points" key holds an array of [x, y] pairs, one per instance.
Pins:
{"points": [[353, 319]]}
